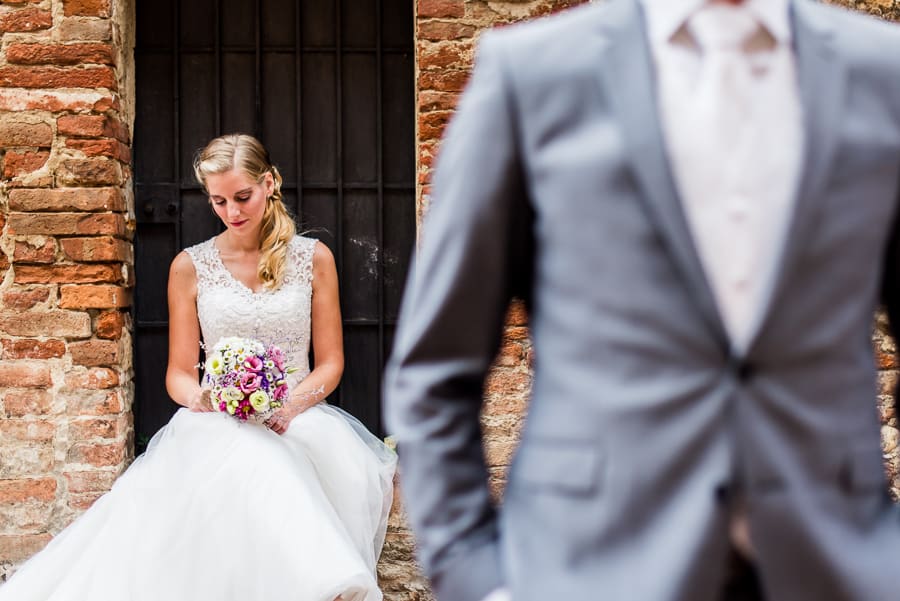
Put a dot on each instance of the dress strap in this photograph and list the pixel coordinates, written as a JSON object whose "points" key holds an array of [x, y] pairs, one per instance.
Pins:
{"points": [[301, 253], [204, 259]]}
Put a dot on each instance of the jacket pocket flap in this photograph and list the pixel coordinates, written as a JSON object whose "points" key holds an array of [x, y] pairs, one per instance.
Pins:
{"points": [[864, 469], [563, 465]]}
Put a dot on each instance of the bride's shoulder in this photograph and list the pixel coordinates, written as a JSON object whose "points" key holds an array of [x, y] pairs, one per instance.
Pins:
{"points": [[183, 271], [198, 259]]}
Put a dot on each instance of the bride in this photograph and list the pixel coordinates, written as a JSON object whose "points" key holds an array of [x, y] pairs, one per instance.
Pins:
{"points": [[215, 509]]}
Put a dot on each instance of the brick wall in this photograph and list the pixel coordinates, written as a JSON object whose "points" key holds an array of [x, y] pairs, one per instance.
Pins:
{"points": [[66, 106]]}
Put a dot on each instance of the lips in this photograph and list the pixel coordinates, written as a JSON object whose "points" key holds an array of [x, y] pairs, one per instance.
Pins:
{"points": [[238, 223]]}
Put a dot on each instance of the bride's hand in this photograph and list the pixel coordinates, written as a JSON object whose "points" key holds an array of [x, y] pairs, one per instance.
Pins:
{"points": [[200, 402], [279, 421]]}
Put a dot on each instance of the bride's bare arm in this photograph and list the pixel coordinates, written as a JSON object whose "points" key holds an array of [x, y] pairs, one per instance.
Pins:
{"points": [[184, 337]]}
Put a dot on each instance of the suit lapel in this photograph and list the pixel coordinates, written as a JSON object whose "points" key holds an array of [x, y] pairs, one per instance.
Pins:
{"points": [[822, 79], [627, 77]]}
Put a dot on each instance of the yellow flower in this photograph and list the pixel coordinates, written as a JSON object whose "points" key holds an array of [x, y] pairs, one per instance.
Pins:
{"points": [[259, 400], [233, 394], [215, 365]]}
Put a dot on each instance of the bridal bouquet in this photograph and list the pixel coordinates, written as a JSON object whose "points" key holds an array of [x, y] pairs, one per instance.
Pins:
{"points": [[246, 378]]}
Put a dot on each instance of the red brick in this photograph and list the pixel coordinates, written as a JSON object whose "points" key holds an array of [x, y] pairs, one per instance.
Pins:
{"points": [[94, 297], [90, 402], [507, 382], [94, 353], [511, 355], [89, 126], [86, 8], [26, 253], [24, 375], [29, 348], [25, 459], [20, 163], [440, 8], [105, 248], [35, 179], [437, 31], [110, 324], [109, 148], [4, 265], [56, 101], [429, 100], [26, 19], [446, 55], [77, 29], [60, 54], [431, 125], [66, 224], [52, 77], [90, 481], [89, 429], [17, 491], [67, 199], [98, 455], [27, 402], [62, 324], [89, 172], [83, 502], [92, 126], [15, 548], [27, 430], [97, 378], [443, 81], [505, 405], [22, 299], [517, 314], [68, 274], [14, 133], [885, 360]]}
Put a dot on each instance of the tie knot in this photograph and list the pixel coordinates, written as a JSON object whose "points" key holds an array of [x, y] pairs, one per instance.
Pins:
{"points": [[722, 27]]}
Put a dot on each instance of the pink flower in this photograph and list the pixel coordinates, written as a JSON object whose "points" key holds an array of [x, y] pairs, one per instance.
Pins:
{"points": [[277, 357], [249, 382], [254, 364], [281, 392]]}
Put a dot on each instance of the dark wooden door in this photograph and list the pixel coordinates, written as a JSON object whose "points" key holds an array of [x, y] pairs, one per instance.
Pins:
{"points": [[327, 85]]}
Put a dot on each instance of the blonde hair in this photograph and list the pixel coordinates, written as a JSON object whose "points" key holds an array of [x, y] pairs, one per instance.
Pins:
{"points": [[246, 153]]}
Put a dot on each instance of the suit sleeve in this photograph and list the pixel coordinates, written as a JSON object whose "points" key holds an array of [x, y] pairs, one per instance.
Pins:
{"points": [[890, 286], [473, 257]]}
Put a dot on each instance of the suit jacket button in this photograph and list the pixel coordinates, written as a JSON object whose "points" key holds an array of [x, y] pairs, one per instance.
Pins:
{"points": [[744, 371]]}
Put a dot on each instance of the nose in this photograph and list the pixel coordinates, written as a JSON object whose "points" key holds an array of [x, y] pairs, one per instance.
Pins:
{"points": [[232, 210]]}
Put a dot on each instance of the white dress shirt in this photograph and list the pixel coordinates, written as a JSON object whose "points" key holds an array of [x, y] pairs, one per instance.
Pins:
{"points": [[739, 208]]}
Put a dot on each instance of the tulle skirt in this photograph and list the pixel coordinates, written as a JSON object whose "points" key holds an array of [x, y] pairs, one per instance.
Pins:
{"points": [[217, 510]]}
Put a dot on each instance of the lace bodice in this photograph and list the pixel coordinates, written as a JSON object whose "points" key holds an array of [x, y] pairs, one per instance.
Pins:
{"points": [[227, 307]]}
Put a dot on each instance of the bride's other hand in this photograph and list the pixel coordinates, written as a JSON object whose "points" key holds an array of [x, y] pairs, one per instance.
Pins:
{"points": [[201, 401], [279, 421]]}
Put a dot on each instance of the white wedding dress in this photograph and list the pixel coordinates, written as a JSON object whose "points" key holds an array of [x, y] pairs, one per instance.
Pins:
{"points": [[217, 510]]}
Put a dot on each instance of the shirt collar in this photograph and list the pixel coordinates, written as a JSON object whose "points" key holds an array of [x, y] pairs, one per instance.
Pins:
{"points": [[666, 17]]}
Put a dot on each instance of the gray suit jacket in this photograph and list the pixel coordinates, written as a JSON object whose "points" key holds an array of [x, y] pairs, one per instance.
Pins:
{"points": [[553, 184]]}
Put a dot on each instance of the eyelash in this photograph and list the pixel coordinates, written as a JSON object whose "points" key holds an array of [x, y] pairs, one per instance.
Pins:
{"points": [[219, 203]]}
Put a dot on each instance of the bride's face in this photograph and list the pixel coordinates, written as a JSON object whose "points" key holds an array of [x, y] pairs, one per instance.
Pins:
{"points": [[239, 201]]}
